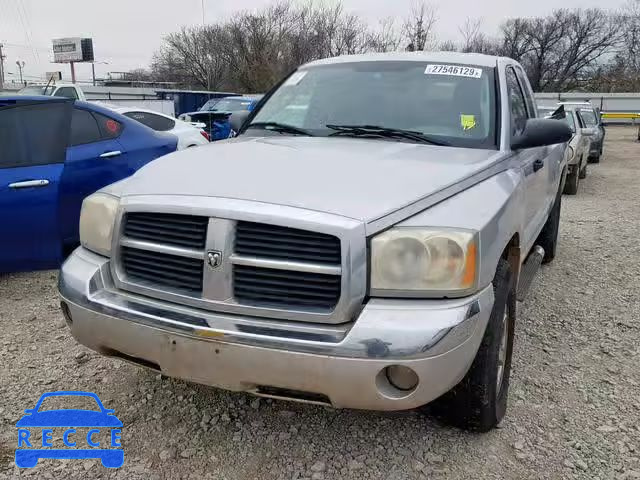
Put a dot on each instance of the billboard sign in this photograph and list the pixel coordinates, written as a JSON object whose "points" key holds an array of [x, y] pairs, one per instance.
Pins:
{"points": [[67, 50], [73, 49]]}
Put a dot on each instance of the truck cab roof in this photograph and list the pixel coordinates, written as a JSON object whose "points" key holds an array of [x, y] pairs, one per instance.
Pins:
{"points": [[444, 57]]}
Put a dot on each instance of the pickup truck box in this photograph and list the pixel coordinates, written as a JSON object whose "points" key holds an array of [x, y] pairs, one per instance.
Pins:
{"points": [[360, 243], [124, 97]]}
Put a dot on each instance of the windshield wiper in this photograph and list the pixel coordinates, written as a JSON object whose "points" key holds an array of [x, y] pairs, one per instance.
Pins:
{"points": [[375, 130], [280, 128]]}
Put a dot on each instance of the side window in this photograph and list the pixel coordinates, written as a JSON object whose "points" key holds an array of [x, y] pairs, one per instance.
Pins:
{"points": [[33, 134], [156, 122], [84, 128], [67, 92], [109, 128], [528, 94], [517, 104]]}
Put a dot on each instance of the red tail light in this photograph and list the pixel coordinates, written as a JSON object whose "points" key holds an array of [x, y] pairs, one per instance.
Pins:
{"points": [[205, 135]]}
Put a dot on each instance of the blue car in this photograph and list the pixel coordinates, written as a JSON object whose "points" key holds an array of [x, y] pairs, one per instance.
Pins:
{"points": [[216, 114], [54, 152], [27, 456]]}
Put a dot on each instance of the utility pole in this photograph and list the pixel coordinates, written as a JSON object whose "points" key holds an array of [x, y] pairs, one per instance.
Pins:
{"points": [[20, 68], [73, 72], [2, 57]]}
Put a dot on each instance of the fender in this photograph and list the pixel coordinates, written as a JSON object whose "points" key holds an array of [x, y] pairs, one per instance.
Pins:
{"points": [[494, 207]]}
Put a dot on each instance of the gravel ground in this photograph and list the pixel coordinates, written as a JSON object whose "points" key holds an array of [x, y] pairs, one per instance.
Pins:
{"points": [[574, 409]]}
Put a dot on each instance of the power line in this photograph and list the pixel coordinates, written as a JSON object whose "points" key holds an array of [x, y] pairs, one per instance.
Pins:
{"points": [[25, 21]]}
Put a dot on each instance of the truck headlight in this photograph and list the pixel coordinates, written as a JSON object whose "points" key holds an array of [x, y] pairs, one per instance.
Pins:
{"points": [[417, 262], [97, 218]]}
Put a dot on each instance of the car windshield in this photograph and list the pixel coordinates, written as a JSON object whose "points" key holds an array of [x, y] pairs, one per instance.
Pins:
{"points": [[226, 105], [452, 104], [66, 402], [571, 121], [34, 90], [589, 118]]}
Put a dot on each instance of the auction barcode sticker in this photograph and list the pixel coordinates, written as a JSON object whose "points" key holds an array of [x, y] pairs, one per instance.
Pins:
{"points": [[455, 70]]}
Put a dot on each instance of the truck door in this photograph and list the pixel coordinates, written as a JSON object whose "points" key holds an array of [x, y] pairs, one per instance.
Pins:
{"points": [[33, 138], [95, 159], [532, 160]]}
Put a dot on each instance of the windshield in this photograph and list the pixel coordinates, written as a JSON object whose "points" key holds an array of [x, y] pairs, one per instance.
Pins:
{"points": [[66, 402], [454, 104], [571, 121], [34, 90], [226, 105], [589, 118]]}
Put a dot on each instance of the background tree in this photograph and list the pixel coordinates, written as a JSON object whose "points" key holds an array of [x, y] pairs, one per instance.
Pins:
{"points": [[419, 25], [565, 50]]}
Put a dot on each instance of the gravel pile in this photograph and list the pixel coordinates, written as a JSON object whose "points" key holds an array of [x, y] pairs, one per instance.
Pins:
{"points": [[574, 410]]}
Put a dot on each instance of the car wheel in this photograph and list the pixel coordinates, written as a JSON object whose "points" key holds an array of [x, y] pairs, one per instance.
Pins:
{"points": [[26, 458], [595, 158], [583, 172], [548, 238], [573, 179], [479, 402]]}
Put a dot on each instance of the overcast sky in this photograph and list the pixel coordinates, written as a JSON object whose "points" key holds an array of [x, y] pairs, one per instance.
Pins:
{"points": [[127, 32]]}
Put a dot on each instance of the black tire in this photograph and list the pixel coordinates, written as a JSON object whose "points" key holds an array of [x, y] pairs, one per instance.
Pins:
{"points": [[583, 172], [477, 403], [595, 158], [548, 238], [573, 179]]}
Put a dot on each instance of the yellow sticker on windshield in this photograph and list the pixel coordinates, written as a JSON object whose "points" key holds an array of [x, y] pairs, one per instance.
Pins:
{"points": [[468, 122]]}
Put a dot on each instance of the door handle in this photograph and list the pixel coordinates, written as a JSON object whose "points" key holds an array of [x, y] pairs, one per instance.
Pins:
{"points": [[29, 184], [538, 165], [115, 153]]}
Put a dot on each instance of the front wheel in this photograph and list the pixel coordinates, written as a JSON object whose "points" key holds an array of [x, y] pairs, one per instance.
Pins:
{"points": [[583, 172], [479, 402], [548, 238], [571, 187], [595, 158]]}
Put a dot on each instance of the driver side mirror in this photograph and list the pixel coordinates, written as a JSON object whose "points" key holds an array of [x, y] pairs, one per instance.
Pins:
{"points": [[541, 132], [589, 132]]}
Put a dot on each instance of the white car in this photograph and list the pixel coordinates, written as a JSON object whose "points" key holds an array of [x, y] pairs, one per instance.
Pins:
{"points": [[188, 134]]}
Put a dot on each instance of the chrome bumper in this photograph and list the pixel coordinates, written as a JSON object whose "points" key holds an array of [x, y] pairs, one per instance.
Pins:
{"points": [[343, 364]]}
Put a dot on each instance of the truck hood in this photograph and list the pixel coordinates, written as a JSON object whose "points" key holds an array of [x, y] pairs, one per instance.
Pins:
{"points": [[363, 179]]}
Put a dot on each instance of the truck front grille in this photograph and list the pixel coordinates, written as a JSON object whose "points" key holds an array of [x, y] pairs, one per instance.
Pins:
{"points": [[261, 268], [175, 230], [162, 270], [284, 288]]}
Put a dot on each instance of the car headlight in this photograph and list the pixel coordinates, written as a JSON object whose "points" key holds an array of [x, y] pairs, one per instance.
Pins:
{"points": [[417, 262], [97, 218]]}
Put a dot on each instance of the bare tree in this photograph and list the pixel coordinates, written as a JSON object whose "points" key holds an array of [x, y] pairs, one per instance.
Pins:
{"points": [[560, 51], [419, 25], [192, 57], [474, 40]]}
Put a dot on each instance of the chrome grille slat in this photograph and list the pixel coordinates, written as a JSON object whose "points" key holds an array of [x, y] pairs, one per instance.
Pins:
{"points": [[166, 228]]}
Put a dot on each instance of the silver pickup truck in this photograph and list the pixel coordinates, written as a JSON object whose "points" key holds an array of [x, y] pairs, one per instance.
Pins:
{"points": [[360, 244]]}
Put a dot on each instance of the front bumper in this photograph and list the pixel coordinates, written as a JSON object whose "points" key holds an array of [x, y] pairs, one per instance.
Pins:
{"points": [[340, 365]]}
